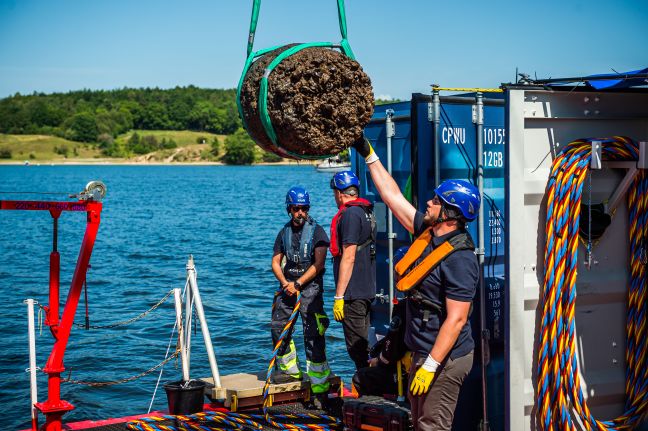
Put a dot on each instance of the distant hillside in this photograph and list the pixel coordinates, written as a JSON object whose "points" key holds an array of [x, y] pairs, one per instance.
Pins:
{"points": [[138, 146], [101, 116]]}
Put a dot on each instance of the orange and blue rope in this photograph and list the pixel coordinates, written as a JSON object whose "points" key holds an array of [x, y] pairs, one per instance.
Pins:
{"points": [[209, 421], [559, 394]]}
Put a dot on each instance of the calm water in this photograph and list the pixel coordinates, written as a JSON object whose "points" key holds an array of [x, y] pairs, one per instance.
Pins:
{"points": [[153, 218]]}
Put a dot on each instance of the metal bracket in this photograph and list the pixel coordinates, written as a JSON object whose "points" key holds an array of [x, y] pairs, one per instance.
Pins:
{"points": [[642, 163], [597, 151], [622, 188], [478, 113], [390, 127]]}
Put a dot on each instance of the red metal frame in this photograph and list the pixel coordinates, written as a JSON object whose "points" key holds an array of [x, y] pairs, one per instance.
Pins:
{"points": [[54, 408]]}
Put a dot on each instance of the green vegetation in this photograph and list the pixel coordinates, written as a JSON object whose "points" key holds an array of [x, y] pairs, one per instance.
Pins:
{"points": [[386, 101], [184, 124], [41, 147], [239, 149], [92, 116]]}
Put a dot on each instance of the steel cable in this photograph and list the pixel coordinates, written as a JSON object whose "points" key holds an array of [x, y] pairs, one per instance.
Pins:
{"points": [[560, 399]]}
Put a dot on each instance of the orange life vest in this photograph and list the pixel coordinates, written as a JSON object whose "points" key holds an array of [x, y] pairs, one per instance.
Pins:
{"points": [[415, 276]]}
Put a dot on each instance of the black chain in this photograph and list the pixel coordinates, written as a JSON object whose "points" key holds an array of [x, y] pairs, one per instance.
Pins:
{"points": [[127, 379]]}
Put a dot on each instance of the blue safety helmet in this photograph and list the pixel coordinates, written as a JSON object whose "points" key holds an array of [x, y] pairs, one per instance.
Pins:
{"points": [[461, 195], [297, 196], [343, 180]]}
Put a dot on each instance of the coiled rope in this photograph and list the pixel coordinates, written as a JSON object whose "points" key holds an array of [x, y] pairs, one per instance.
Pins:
{"points": [[287, 329], [236, 421], [560, 399]]}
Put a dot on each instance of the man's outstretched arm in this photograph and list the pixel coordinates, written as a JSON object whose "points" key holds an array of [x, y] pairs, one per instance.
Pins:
{"points": [[387, 187]]}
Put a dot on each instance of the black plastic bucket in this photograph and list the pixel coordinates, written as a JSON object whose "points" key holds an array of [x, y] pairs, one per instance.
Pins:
{"points": [[185, 398]]}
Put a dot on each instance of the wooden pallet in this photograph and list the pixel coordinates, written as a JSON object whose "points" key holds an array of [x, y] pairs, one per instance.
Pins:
{"points": [[244, 391]]}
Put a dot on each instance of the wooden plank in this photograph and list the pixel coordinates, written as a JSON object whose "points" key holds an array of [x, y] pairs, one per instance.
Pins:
{"points": [[247, 389]]}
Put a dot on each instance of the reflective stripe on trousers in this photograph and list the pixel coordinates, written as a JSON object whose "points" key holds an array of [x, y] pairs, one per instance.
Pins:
{"points": [[288, 363], [318, 372]]}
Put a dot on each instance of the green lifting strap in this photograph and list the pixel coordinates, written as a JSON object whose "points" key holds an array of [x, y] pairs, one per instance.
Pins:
{"points": [[344, 46]]}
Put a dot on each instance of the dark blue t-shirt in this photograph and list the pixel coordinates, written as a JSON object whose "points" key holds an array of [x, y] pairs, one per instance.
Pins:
{"points": [[354, 227], [456, 278]]}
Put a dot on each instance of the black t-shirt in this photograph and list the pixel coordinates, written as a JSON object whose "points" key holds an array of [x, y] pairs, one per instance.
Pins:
{"points": [[320, 239], [456, 277], [355, 228]]}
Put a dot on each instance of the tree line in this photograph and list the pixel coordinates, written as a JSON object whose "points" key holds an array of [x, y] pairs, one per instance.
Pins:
{"points": [[87, 115]]}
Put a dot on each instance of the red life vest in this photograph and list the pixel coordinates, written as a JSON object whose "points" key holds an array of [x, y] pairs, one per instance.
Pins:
{"points": [[335, 248]]}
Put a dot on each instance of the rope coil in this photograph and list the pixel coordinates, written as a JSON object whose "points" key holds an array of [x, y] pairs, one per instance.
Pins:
{"points": [[237, 421], [560, 400]]}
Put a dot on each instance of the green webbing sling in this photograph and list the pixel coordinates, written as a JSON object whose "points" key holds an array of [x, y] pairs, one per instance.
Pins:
{"points": [[263, 90]]}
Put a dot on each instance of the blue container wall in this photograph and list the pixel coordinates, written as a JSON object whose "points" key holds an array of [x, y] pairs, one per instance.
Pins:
{"points": [[401, 172], [457, 143], [458, 152]]}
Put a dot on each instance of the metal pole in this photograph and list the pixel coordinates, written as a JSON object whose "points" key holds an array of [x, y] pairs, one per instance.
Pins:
{"points": [[390, 129], [183, 353], [32, 362], [193, 283], [478, 119], [436, 120], [188, 322]]}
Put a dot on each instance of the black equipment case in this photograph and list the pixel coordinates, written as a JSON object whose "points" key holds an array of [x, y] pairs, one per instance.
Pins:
{"points": [[371, 413]]}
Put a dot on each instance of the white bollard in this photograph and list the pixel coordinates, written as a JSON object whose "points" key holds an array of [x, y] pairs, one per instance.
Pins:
{"points": [[32, 362], [183, 353], [191, 275]]}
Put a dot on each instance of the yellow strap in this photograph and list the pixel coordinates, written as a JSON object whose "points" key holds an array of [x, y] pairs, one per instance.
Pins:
{"points": [[468, 89], [420, 271]]}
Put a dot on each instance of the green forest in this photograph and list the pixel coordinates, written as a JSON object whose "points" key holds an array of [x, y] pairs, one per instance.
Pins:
{"points": [[128, 123], [101, 116]]}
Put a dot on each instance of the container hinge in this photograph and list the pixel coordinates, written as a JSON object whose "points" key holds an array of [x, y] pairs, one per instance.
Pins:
{"points": [[390, 127]]}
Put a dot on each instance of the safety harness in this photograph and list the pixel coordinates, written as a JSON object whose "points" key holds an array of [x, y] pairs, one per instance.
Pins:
{"points": [[336, 247], [411, 280], [299, 257]]}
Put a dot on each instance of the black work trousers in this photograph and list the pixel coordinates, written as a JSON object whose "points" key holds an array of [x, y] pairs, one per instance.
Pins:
{"points": [[311, 303], [356, 330]]}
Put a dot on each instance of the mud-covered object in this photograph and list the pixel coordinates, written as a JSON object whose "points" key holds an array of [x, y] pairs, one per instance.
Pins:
{"points": [[319, 100]]}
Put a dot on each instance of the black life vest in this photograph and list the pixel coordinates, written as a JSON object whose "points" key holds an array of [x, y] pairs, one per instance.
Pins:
{"points": [[298, 256]]}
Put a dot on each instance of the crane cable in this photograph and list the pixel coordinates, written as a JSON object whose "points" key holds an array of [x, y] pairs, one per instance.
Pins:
{"points": [[560, 400]]}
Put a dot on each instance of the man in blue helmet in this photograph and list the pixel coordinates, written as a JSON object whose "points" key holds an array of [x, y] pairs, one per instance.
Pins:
{"points": [[303, 244], [440, 274], [353, 246]]}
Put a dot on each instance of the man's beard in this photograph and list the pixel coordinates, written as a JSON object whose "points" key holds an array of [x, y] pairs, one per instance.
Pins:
{"points": [[428, 220], [299, 221]]}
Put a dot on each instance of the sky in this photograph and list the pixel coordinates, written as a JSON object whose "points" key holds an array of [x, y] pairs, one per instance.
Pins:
{"points": [[404, 46]]}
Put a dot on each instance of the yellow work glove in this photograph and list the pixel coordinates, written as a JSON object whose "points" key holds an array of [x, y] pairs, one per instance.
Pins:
{"points": [[421, 383], [338, 309], [424, 376]]}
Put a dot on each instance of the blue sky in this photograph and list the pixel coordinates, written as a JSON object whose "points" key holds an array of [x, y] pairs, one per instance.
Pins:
{"points": [[404, 46]]}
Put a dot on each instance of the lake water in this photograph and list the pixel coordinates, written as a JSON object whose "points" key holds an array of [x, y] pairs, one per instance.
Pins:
{"points": [[153, 218]]}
